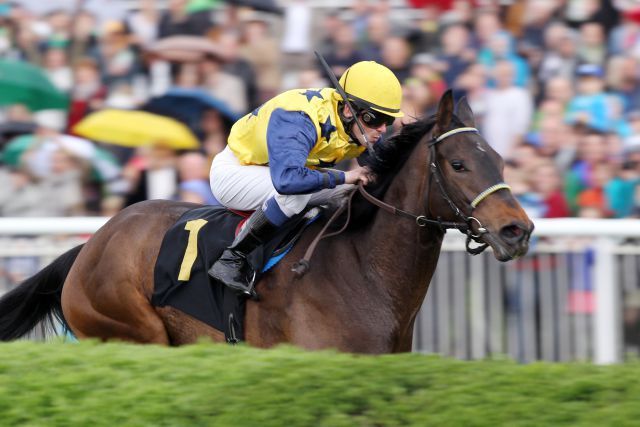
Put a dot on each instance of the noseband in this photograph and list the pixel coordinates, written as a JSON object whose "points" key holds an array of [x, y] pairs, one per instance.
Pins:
{"points": [[466, 225]]}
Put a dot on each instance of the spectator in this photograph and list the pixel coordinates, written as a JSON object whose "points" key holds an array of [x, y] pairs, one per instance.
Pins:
{"points": [[151, 174], [418, 98], [486, 25], [620, 191], [56, 65], [261, 49], [474, 85], [625, 38], [21, 195], [215, 134], [117, 59], [238, 66], [379, 29], [423, 67], [538, 16], [559, 59], [85, 38], [88, 93], [548, 184], [530, 201], [559, 89], [176, 20], [222, 85], [58, 32], [331, 23], [508, 111], [296, 39], [591, 151], [501, 49], [456, 55], [623, 79], [193, 172], [594, 196], [556, 142], [590, 107], [345, 52], [592, 47], [396, 54], [145, 23]]}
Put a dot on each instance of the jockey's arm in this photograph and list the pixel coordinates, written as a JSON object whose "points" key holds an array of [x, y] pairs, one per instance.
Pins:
{"points": [[291, 135]]}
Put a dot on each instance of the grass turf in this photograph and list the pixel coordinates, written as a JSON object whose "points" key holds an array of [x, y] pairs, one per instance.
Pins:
{"points": [[93, 384]]}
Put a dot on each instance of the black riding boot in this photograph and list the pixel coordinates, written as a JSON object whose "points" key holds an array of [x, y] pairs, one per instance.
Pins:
{"points": [[232, 268]]}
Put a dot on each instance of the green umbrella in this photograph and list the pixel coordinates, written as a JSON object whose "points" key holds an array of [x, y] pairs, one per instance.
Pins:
{"points": [[14, 149], [24, 83], [201, 5], [104, 166]]}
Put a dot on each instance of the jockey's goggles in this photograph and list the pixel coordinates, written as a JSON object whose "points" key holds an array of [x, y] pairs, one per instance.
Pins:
{"points": [[374, 119]]}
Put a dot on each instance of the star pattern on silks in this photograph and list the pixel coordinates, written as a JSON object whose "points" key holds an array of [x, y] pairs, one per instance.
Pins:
{"points": [[255, 112], [327, 128], [310, 94]]}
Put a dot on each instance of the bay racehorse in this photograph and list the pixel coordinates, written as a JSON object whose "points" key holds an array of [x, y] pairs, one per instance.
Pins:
{"points": [[364, 288]]}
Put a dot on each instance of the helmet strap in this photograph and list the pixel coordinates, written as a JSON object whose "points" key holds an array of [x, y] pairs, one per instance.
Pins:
{"points": [[347, 122]]}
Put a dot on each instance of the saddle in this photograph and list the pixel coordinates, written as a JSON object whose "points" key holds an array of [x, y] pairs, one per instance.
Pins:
{"points": [[194, 243]]}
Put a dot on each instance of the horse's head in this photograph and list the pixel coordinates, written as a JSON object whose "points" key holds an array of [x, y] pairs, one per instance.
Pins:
{"points": [[466, 183]]}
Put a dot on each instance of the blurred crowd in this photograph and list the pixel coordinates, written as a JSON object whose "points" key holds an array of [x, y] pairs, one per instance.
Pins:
{"points": [[554, 85]]}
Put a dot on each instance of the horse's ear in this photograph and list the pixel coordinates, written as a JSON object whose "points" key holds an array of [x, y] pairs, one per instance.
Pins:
{"points": [[464, 113], [445, 111]]}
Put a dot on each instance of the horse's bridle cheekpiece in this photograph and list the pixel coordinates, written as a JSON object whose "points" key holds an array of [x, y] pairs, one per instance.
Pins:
{"points": [[465, 226], [301, 267]]}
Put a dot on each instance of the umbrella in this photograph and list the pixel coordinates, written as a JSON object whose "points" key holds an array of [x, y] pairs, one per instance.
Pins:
{"points": [[9, 130], [195, 6], [24, 83], [188, 105], [15, 148], [104, 166], [185, 49], [135, 128], [262, 5]]}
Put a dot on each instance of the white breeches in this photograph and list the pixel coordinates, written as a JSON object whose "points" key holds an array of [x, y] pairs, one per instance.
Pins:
{"points": [[247, 187]]}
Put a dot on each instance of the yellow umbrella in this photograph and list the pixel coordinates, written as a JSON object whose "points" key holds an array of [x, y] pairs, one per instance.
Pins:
{"points": [[135, 128]]}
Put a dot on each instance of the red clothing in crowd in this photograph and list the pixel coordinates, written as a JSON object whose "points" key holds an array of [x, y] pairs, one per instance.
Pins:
{"points": [[79, 108], [442, 5], [557, 206]]}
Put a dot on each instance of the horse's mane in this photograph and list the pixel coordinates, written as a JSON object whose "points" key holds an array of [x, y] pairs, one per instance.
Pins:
{"points": [[391, 155]]}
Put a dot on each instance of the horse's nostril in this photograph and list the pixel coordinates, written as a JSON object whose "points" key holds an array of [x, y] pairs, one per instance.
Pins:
{"points": [[513, 233]]}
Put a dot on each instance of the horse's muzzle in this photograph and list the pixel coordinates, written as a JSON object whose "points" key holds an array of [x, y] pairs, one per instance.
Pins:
{"points": [[511, 241], [515, 233]]}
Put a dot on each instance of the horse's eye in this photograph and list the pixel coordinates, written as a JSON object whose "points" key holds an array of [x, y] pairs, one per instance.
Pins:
{"points": [[457, 165]]}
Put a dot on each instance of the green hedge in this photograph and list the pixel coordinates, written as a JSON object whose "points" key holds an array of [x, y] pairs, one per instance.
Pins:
{"points": [[91, 384]]}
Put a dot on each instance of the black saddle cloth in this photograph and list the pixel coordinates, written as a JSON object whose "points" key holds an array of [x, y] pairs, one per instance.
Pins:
{"points": [[189, 249]]}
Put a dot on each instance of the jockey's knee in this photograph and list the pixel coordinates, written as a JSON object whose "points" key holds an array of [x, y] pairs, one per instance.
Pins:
{"points": [[279, 208]]}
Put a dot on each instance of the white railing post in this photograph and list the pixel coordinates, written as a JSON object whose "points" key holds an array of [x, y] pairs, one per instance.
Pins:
{"points": [[607, 321]]}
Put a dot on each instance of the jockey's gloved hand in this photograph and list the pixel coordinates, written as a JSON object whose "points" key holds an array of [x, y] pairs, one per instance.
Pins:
{"points": [[361, 174]]}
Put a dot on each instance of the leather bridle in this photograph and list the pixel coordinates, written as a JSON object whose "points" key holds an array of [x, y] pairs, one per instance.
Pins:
{"points": [[465, 226]]}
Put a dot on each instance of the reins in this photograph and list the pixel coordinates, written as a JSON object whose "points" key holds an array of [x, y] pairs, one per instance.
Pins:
{"points": [[464, 226]]}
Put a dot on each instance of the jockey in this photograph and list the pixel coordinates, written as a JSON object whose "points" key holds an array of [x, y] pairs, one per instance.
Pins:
{"points": [[276, 157]]}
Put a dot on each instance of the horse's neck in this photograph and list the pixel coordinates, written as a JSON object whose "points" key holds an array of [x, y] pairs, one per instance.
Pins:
{"points": [[398, 256]]}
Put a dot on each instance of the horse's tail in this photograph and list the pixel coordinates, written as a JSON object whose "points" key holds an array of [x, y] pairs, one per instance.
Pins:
{"points": [[37, 299]]}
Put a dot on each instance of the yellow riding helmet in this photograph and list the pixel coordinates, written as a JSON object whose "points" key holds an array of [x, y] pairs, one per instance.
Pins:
{"points": [[371, 85]]}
